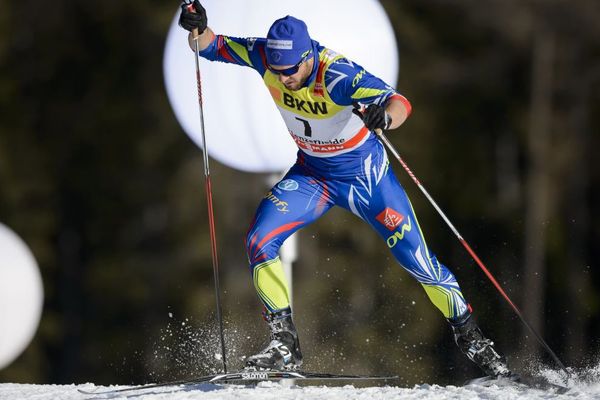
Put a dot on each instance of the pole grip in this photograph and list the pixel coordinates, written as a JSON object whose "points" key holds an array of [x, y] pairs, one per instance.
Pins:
{"points": [[195, 33]]}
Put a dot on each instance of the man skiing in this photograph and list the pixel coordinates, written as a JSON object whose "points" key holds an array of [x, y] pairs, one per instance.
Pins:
{"points": [[331, 107]]}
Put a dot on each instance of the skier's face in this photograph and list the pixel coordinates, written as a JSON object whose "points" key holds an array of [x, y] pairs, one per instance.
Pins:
{"points": [[296, 80]]}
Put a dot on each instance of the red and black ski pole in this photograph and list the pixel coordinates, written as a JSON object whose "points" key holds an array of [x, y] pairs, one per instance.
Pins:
{"points": [[211, 218], [541, 341]]}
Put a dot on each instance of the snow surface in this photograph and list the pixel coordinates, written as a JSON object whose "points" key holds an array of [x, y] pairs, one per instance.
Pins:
{"points": [[583, 385], [275, 391]]}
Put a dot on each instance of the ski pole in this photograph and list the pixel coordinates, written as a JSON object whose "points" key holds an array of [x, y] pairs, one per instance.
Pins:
{"points": [[541, 341], [211, 218]]}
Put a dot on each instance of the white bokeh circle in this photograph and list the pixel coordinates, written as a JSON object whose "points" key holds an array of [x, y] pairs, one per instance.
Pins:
{"points": [[243, 127], [21, 296]]}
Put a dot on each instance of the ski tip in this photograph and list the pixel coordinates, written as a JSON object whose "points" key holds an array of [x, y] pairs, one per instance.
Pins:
{"points": [[539, 382], [100, 391], [534, 382], [478, 381]]}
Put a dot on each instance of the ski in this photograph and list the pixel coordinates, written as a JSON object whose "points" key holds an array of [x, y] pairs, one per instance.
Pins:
{"points": [[533, 382], [241, 376]]}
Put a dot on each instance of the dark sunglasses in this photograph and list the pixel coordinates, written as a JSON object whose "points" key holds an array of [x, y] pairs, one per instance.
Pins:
{"points": [[291, 70]]}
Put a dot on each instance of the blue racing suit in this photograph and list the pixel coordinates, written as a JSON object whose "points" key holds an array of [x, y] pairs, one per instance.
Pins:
{"points": [[340, 162]]}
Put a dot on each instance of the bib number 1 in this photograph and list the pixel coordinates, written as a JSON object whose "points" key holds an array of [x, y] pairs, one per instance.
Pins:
{"points": [[307, 128]]}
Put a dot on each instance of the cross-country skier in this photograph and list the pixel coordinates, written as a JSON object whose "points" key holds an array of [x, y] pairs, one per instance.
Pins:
{"points": [[331, 107]]}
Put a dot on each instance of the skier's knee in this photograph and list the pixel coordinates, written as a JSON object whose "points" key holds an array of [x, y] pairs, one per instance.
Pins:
{"points": [[259, 250]]}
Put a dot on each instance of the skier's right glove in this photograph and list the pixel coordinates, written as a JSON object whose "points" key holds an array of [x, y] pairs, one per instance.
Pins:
{"points": [[193, 16]]}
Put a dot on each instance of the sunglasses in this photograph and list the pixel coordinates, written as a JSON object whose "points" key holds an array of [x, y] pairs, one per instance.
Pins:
{"points": [[291, 70]]}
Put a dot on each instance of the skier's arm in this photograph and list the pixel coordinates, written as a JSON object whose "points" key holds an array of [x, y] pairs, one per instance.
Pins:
{"points": [[193, 19], [398, 110], [248, 52], [204, 39], [348, 83], [385, 107]]}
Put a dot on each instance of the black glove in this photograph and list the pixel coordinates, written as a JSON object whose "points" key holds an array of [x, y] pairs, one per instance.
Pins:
{"points": [[193, 16], [374, 117]]}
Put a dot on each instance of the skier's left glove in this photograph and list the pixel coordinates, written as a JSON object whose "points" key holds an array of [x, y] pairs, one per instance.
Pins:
{"points": [[374, 117], [193, 16]]}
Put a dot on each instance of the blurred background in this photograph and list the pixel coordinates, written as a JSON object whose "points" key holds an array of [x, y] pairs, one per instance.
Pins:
{"points": [[98, 178]]}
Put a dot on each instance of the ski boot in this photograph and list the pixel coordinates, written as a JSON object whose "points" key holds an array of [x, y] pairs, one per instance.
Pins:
{"points": [[283, 351], [479, 349]]}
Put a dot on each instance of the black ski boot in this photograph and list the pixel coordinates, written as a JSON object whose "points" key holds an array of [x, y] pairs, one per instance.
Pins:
{"points": [[283, 352], [479, 349]]}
